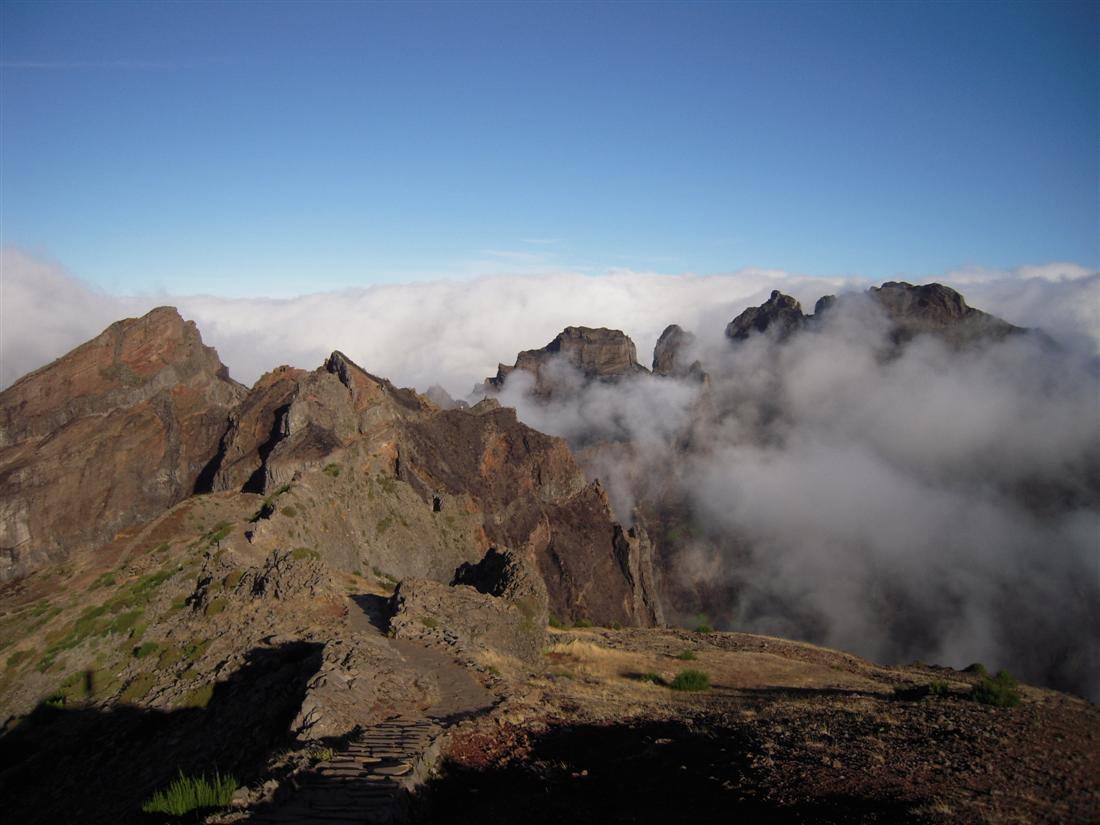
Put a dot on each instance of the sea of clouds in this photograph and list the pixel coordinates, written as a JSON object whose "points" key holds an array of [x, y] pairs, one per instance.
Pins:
{"points": [[939, 505]]}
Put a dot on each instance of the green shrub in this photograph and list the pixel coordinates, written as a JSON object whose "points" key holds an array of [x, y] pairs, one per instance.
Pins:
{"points": [[977, 669], [690, 680], [556, 622], [582, 623], [999, 691], [188, 794], [429, 622], [215, 607], [652, 678], [686, 655], [703, 627], [332, 470], [106, 580], [299, 553]]}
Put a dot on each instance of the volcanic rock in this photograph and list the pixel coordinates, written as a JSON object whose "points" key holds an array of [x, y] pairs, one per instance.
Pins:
{"points": [[669, 355], [577, 355], [780, 316], [107, 437]]}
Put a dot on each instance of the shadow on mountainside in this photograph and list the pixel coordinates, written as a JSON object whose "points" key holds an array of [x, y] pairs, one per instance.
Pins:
{"points": [[92, 765], [648, 772]]}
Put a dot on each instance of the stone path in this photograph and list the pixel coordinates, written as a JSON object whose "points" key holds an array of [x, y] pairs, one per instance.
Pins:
{"points": [[369, 781]]}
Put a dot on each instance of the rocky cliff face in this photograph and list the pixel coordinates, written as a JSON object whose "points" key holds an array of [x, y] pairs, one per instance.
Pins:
{"points": [[107, 437], [909, 311], [576, 355], [780, 316]]}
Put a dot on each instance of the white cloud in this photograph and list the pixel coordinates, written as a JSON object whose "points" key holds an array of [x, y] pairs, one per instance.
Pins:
{"points": [[455, 332]]}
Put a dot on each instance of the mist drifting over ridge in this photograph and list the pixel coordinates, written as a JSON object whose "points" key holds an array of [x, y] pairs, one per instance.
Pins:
{"points": [[939, 504]]}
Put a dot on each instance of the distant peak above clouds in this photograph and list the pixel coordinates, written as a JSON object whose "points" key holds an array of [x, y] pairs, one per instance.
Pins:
{"points": [[454, 333]]}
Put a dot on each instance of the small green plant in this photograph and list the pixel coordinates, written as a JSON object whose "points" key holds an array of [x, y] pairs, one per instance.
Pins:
{"points": [[215, 607], [188, 794], [1000, 691], [582, 623], [978, 669], [652, 678], [690, 680], [332, 470], [300, 553], [555, 622], [686, 655], [322, 754], [429, 622], [703, 627]]}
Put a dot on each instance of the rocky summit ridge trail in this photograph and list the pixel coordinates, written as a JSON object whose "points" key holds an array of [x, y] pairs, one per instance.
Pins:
{"points": [[370, 778]]}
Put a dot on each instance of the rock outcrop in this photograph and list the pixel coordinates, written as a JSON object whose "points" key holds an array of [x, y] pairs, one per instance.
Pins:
{"points": [[780, 316], [670, 353], [498, 605], [936, 309], [576, 356], [107, 437]]}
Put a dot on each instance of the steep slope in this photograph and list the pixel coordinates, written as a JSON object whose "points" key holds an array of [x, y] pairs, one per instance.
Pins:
{"points": [[107, 437]]}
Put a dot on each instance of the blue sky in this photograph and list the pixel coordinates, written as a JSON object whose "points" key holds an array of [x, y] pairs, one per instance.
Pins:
{"points": [[263, 148]]}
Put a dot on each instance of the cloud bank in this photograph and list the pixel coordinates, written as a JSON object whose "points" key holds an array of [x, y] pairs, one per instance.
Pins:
{"points": [[455, 332], [940, 505], [936, 506]]}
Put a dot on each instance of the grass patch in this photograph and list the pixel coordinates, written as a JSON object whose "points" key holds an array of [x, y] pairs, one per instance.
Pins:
{"points": [[146, 649], [187, 794], [288, 511], [215, 607], [1000, 691], [582, 623], [300, 553], [686, 656], [690, 680], [913, 692], [199, 697], [555, 622], [105, 580], [220, 531], [703, 627], [20, 656], [138, 688], [385, 524], [232, 578], [429, 622], [651, 678], [332, 470]]}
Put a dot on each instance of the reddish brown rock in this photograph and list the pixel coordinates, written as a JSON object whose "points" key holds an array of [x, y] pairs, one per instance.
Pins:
{"points": [[107, 437]]}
